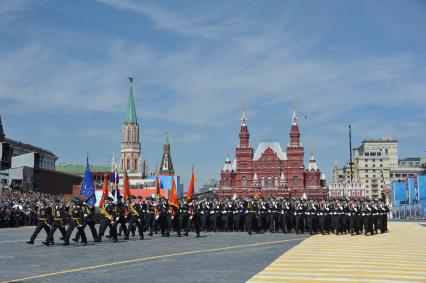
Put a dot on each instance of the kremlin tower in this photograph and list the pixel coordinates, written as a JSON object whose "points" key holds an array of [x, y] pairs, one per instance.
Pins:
{"points": [[130, 145], [166, 167]]}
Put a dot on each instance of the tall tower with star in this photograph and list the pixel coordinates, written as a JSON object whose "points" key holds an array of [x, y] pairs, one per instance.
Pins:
{"points": [[130, 143]]}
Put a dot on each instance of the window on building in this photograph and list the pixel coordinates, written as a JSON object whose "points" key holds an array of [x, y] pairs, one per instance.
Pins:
{"points": [[366, 165], [276, 181], [386, 151], [367, 154], [379, 154], [381, 160], [374, 165], [366, 186], [128, 164], [269, 182], [372, 154], [366, 181], [374, 170], [244, 181], [262, 181], [295, 180], [381, 165], [374, 160]]}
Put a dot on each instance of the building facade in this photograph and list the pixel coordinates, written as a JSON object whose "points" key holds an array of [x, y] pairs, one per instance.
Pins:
{"points": [[374, 166], [10, 148], [269, 170]]}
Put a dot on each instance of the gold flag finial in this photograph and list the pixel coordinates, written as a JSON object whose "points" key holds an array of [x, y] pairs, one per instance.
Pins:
{"points": [[294, 106]]}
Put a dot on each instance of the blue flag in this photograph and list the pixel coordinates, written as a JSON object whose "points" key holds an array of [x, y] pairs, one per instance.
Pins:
{"points": [[87, 190]]}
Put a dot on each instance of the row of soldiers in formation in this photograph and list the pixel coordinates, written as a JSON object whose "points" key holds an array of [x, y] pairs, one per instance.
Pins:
{"points": [[251, 215]]}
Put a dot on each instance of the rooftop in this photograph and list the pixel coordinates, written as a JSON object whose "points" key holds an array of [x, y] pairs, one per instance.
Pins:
{"points": [[379, 140], [29, 147], [78, 169], [274, 145]]}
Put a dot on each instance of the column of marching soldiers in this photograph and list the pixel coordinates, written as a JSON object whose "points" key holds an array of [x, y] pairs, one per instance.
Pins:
{"points": [[258, 215]]}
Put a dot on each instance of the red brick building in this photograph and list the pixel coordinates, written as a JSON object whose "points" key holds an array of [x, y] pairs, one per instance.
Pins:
{"points": [[269, 170]]}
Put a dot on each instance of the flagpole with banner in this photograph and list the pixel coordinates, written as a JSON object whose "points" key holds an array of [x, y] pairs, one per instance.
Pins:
{"points": [[105, 191], [87, 189], [191, 187], [157, 186]]}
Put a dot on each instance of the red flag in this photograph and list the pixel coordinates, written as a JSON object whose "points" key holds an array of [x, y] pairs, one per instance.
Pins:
{"points": [[157, 187], [105, 191], [126, 192], [190, 192], [173, 199]]}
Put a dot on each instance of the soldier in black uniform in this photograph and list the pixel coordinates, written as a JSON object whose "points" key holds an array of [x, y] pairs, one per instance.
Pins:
{"points": [[150, 217], [299, 212], [43, 220], [224, 216], [163, 221], [89, 220], [58, 222], [134, 212], [322, 217], [203, 215], [237, 217], [184, 216], [310, 215], [121, 217], [194, 219], [384, 210], [77, 221], [367, 218], [250, 207], [109, 216], [375, 216]]}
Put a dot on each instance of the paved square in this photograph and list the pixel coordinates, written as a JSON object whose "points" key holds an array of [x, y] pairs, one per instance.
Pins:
{"points": [[214, 257]]}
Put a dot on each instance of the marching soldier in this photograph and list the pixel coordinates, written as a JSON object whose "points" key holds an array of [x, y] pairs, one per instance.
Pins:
{"points": [[58, 222], [384, 210], [109, 216], [89, 220], [77, 221], [194, 220], [367, 212], [251, 210], [298, 219], [134, 213], [43, 220]]}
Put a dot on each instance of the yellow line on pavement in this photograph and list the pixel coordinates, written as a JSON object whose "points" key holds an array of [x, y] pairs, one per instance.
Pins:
{"points": [[150, 258]]}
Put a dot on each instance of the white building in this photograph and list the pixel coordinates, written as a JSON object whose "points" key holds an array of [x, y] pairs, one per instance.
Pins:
{"points": [[374, 166]]}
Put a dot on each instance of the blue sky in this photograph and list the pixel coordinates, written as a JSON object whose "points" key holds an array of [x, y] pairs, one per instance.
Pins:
{"points": [[64, 68]]}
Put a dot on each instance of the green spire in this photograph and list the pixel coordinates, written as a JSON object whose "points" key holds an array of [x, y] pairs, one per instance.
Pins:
{"points": [[167, 139], [131, 108], [2, 135]]}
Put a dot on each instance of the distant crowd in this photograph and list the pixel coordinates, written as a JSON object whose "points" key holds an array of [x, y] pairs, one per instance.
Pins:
{"points": [[19, 208]]}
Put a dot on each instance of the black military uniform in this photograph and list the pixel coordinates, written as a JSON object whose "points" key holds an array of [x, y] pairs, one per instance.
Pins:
{"points": [[43, 220], [89, 220], [251, 210], [194, 219], [150, 217], [77, 221], [134, 212], [184, 216], [109, 216], [299, 212], [58, 222]]}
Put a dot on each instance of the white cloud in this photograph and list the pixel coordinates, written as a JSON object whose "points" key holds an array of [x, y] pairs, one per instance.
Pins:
{"points": [[11, 10]]}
